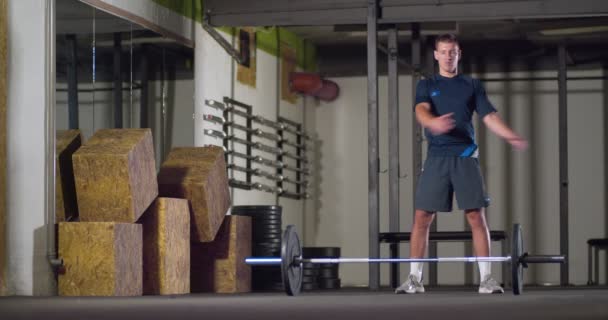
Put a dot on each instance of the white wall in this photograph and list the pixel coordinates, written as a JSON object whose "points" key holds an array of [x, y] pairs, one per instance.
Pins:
{"points": [[524, 187], [28, 268], [213, 80]]}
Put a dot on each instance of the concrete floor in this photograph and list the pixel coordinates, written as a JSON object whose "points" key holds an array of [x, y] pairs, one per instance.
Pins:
{"points": [[352, 304]]}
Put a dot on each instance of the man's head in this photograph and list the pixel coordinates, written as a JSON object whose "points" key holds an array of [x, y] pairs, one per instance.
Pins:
{"points": [[447, 53]]}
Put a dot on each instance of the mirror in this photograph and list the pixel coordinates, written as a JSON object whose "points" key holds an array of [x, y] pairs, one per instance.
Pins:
{"points": [[113, 73]]}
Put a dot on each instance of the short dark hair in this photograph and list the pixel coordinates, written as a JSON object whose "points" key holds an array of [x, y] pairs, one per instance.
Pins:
{"points": [[447, 37]]}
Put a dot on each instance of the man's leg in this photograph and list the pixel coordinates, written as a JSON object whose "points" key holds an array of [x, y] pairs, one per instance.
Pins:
{"points": [[418, 243], [479, 228], [420, 233], [481, 246], [420, 239]]}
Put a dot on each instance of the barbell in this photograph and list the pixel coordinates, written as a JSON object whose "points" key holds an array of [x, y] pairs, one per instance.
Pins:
{"points": [[291, 260]]}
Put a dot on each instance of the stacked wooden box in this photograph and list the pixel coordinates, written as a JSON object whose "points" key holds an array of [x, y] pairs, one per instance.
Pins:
{"points": [[220, 244], [129, 232], [104, 254]]}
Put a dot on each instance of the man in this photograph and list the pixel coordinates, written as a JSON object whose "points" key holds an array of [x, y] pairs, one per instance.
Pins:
{"points": [[444, 107]]}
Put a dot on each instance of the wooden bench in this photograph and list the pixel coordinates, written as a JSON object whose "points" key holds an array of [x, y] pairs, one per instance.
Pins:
{"points": [[394, 238]]}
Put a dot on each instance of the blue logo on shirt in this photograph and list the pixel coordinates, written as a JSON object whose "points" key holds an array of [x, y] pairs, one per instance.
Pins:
{"points": [[434, 93]]}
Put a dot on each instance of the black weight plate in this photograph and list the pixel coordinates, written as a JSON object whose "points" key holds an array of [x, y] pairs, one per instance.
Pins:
{"points": [[329, 273], [263, 236], [290, 269], [309, 279], [260, 208], [267, 229], [267, 253], [267, 247], [270, 222], [310, 265], [517, 269], [310, 272], [330, 266], [329, 283], [321, 252], [269, 241], [310, 286]]}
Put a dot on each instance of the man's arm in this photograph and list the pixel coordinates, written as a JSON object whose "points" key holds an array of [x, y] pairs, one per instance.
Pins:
{"points": [[496, 125], [437, 125]]}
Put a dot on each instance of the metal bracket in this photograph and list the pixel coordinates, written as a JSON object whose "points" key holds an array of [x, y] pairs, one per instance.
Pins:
{"points": [[220, 40]]}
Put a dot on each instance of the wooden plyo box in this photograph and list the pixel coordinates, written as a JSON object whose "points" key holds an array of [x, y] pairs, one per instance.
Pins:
{"points": [[115, 175], [66, 207], [166, 229], [100, 259], [219, 266], [199, 175]]}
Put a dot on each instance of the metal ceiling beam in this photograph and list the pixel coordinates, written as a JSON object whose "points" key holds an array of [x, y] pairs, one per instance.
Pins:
{"points": [[339, 12]]}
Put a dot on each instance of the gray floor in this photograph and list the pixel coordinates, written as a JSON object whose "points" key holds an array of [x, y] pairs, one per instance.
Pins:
{"points": [[341, 304]]}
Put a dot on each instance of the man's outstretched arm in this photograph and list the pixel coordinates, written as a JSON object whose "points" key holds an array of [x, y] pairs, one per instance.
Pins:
{"points": [[496, 125]]}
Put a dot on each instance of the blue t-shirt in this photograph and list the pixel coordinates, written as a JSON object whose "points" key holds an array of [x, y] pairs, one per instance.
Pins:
{"points": [[461, 95]]}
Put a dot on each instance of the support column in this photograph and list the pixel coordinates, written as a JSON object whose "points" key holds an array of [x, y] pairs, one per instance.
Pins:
{"points": [[72, 72], [563, 160], [393, 147], [144, 92], [117, 81], [373, 142]]}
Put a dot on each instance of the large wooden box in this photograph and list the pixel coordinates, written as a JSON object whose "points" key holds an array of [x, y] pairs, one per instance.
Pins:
{"points": [[166, 228], [100, 259], [66, 207], [115, 175], [199, 175], [219, 266]]}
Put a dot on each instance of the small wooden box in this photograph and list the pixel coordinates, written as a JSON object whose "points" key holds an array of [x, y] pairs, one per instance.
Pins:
{"points": [[100, 259], [199, 175], [219, 266], [115, 174], [166, 228]]}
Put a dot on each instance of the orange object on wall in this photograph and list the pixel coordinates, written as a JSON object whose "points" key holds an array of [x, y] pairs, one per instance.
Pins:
{"points": [[311, 84]]}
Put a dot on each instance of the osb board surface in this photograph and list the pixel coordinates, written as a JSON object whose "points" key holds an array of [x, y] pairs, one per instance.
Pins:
{"points": [[3, 106], [166, 255], [128, 246], [66, 207], [199, 175], [100, 259], [219, 266], [115, 174]]}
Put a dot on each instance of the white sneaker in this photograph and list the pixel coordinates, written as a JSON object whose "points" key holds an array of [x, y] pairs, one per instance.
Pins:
{"points": [[411, 285], [490, 285]]}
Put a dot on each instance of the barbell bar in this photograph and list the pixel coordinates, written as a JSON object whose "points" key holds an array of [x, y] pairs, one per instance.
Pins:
{"points": [[291, 260]]}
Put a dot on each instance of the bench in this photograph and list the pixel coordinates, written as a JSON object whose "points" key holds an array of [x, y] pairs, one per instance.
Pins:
{"points": [[593, 254], [394, 238]]}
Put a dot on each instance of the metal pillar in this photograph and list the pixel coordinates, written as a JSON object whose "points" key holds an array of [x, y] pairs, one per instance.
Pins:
{"points": [[143, 98], [373, 142], [72, 81], [393, 146], [563, 160], [117, 80]]}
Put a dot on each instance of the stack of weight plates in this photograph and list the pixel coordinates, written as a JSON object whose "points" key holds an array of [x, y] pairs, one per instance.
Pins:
{"points": [[310, 276], [266, 242], [327, 273]]}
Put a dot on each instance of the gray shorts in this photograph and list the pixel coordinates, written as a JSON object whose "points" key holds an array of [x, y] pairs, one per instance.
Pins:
{"points": [[442, 176]]}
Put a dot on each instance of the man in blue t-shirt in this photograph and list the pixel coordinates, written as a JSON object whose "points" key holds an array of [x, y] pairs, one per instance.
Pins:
{"points": [[444, 107]]}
